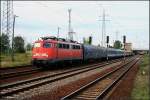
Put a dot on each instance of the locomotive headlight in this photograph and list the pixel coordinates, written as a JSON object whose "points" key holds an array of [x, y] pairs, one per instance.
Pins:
{"points": [[44, 54], [36, 54]]}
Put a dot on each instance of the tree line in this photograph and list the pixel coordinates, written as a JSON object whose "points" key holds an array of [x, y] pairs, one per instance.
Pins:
{"points": [[20, 47], [19, 44]]}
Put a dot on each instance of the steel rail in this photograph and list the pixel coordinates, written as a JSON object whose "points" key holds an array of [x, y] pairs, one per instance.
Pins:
{"points": [[69, 96], [46, 76], [108, 89], [58, 77], [18, 73], [16, 67]]}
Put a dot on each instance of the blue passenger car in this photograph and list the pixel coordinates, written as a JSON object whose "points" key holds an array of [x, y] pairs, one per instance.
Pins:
{"points": [[93, 52], [112, 53]]}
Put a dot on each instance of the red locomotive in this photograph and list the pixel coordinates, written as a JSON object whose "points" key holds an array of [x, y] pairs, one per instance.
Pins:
{"points": [[50, 50]]}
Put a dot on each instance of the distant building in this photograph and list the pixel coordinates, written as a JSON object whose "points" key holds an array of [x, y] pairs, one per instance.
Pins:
{"points": [[128, 47]]}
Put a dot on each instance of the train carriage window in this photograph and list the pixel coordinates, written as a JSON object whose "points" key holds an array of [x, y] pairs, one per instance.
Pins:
{"points": [[67, 46], [64, 46], [60, 45], [75, 47], [78, 47], [47, 45]]}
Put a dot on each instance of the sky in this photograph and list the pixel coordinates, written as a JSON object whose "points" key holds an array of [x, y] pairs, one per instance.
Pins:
{"points": [[42, 18]]}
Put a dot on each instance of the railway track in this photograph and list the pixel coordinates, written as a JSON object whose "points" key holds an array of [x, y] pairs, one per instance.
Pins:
{"points": [[99, 88], [14, 88], [13, 68], [19, 73]]}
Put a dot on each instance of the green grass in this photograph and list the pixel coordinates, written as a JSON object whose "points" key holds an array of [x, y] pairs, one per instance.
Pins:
{"points": [[20, 59], [141, 85]]}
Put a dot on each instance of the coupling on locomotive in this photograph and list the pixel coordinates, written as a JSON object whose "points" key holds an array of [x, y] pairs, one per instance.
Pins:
{"points": [[52, 50]]}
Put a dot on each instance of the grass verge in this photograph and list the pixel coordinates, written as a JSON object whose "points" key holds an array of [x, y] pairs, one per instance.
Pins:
{"points": [[20, 59], [141, 83]]}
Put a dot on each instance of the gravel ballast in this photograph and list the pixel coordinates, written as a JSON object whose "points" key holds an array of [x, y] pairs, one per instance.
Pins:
{"points": [[56, 90]]}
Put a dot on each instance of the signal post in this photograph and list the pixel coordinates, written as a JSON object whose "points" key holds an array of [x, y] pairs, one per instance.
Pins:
{"points": [[124, 41], [107, 41]]}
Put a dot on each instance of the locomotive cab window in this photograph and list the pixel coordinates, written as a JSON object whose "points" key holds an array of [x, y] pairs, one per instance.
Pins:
{"points": [[47, 45], [36, 45]]}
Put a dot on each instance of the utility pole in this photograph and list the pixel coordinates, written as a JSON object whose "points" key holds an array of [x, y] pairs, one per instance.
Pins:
{"points": [[107, 41], [57, 41], [103, 28], [58, 32], [116, 35], [124, 41], [12, 53], [70, 30], [69, 24]]}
